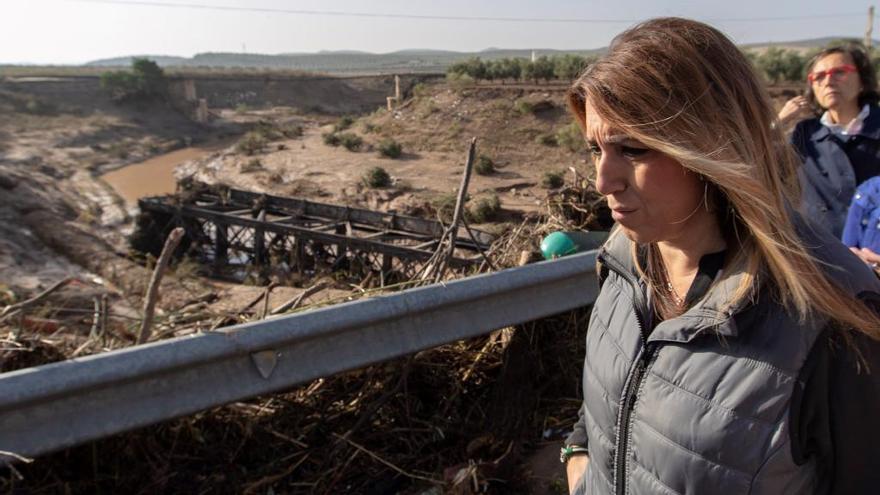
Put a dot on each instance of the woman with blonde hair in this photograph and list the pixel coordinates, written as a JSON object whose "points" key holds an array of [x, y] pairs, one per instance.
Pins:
{"points": [[732, 348]]}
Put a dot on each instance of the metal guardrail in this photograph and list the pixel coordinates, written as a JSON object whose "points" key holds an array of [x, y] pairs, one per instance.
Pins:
{"points": [[58, 405]]}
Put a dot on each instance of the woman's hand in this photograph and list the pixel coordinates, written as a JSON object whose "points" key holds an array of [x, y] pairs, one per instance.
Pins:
{"points": [[574, 469], [794, 108], [868, 256]]}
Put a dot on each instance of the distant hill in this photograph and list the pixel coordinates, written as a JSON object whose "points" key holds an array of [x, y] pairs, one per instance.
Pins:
{"points": [[802, 45], [162, 60], [337, 61], [410, 60]]}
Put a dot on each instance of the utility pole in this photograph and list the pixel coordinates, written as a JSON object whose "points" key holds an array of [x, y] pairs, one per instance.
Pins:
{"points": [[870, 29]]}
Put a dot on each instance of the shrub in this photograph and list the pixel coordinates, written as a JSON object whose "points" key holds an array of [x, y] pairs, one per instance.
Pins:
{"points": [[484, 165], [459, 81], [343, 123], [473, 68], [293, 131], [523, 107], [39, 107], [570, 137], [778, 65], [420, 89], [331, 138], [268, 130], [146, 80], [370, 128], [252, 142], [427, 108], [352, 142], [271, 131], [547, 140], [377, 177], [275, 178], [251, 165], [485, 209], [552, 180], [390, 148], [444, 206]]}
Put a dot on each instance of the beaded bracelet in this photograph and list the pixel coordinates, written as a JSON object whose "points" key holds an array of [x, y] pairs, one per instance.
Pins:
{"points": [[569, 450]]}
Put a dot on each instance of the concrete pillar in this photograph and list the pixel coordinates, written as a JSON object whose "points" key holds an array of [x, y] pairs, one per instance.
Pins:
{"points": [[202, 111], [392, 101], [189, 90]]}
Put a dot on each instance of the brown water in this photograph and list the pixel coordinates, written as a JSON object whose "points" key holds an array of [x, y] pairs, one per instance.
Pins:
{"points": [[155, 176]]}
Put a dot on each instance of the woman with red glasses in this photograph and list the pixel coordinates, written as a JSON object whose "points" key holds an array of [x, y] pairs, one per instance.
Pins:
{"points": [[840, 148]]}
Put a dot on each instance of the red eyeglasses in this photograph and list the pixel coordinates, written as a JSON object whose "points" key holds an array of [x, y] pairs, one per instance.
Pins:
{"points": [[834, 72]]}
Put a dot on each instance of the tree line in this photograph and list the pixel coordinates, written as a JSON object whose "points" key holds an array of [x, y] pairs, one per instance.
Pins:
{"points": [[775, 64], [562, 67]]}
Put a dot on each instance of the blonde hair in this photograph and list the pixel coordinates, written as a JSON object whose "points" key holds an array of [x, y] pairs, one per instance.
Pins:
{"points": [[683, 88]]}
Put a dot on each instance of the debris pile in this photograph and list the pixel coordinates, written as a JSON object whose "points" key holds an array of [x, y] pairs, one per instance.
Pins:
{"points": [[460, 418]]}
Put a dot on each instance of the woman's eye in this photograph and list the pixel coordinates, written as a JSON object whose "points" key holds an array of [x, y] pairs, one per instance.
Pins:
{"points": [[632, 152], [595, 150]]}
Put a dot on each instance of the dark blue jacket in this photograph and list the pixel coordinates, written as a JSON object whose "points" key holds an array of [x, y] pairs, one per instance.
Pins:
{"points": [[862, 227], [828, 177]]}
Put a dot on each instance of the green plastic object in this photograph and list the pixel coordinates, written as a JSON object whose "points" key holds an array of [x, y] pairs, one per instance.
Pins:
{"points": [[559, 244]]}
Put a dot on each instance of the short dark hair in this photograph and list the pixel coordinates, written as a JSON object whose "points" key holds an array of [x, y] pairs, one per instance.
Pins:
{"points": [[863, 64]]}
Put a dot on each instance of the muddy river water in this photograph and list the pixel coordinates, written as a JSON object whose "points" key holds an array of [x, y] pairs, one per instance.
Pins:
{"points": [[154, 176]]}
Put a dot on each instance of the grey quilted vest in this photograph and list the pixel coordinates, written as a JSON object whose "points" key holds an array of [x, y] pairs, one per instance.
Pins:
{"points": [[701, 405]]}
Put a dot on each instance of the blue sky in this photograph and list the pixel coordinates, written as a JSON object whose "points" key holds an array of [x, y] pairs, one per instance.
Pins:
{"points": [[76, 31]]}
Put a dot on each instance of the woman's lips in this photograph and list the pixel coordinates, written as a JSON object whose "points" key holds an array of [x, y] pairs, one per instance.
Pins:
{"points": [[619, 214]]}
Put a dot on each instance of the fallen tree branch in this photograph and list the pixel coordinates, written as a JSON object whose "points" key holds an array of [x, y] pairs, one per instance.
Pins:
{"points": [[15, 308], [387, 463], [171, 244], [268, 480], [482, 252], [435, 267], [267, 293], [296, 301]]}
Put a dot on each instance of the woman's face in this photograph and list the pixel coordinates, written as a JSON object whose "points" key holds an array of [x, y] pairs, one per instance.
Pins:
{"points": [[834, 91], [651, 196]]}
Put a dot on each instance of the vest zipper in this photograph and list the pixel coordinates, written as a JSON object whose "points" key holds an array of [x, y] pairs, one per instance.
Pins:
{"points": [[635, 378], [638, 377]]}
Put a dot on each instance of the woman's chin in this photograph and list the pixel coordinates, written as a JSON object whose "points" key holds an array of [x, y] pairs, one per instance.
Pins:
{"points": [[636, 235]]}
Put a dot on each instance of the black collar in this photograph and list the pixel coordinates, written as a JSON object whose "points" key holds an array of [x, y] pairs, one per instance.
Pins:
{"points": [[710, 265]]}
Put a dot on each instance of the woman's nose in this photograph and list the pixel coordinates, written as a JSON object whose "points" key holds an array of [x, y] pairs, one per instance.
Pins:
{"points": [[827, 81], [610, 177]]}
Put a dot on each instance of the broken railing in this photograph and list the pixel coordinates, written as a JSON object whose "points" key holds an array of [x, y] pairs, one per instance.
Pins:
{"points": [[234, 227]]}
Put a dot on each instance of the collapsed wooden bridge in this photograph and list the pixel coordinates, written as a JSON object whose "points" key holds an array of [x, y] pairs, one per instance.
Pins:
{"points": [[228, 229]]}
